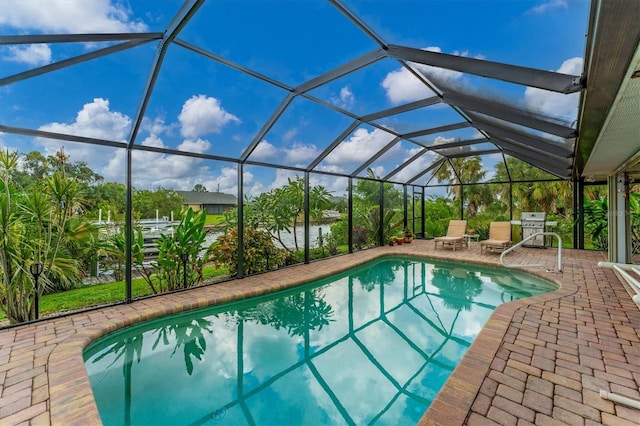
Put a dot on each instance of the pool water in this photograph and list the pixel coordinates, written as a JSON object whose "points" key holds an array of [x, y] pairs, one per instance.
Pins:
{"points": [[373, 345]]}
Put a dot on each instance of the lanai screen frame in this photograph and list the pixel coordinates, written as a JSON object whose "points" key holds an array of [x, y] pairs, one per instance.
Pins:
{"points": [[511, 130]]}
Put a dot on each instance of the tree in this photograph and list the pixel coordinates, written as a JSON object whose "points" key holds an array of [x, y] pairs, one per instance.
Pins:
{"points": [[465, 171], [110, 197], [199, 188], [534, 194], [281, 210], [35, 165], [437, 212], [38, 227], [147, 203]]}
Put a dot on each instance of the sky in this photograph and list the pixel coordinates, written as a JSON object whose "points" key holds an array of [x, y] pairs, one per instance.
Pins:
{"points": [[203, 106]]}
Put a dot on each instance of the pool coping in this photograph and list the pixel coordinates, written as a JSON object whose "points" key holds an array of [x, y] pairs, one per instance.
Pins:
{"points": [[60, 391]]}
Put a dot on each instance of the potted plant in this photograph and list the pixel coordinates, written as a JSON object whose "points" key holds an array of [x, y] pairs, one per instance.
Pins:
{"points": [[408, 235], [399, 240], [391, 241]]}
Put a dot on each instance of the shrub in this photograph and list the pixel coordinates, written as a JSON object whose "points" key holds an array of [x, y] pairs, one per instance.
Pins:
{"points": [[260, 254]]}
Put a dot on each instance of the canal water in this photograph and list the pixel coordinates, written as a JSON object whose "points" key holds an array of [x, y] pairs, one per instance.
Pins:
{"points": [[287, 237]]}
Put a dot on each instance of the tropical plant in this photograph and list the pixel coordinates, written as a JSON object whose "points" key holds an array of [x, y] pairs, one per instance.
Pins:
{"points": [[39, 227], [596, 223], [366, 210], [168, 271], [437, 212]]}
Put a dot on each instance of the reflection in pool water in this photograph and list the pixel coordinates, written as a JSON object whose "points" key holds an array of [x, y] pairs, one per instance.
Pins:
{"points": [[373, 345]]}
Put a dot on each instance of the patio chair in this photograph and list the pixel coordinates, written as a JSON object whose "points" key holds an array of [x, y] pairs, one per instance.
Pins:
{"points": [[455, 235], [499, 236]]}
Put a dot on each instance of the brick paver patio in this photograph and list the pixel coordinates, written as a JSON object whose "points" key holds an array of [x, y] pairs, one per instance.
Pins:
{"points": [[541, 360]]}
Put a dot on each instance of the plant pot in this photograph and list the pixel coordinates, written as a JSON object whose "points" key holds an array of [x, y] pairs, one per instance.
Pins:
{"points": [[399, 241], [408, 240], [390, 243]]}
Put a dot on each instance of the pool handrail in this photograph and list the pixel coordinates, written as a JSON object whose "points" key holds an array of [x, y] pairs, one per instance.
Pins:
{"points": [[510, 249]]}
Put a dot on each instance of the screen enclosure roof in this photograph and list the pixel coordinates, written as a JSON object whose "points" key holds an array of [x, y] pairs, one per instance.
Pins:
{"points": [[349, 88]]}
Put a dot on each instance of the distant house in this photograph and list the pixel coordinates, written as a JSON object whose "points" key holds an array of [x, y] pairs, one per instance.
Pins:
{"points": [[212, 202]]}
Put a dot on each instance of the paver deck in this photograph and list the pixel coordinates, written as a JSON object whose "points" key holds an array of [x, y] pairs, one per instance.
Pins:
{"points": [[540, 361]]}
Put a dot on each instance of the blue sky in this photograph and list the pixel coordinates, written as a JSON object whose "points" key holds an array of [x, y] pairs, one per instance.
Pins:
{"points": [[202, 106]]}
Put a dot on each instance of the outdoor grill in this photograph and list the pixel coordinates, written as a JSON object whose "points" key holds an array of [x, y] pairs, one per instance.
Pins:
{"points": [[532, 223]]}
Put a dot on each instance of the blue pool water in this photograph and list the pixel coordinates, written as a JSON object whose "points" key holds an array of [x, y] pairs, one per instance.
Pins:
{"points": [[370, 346]]}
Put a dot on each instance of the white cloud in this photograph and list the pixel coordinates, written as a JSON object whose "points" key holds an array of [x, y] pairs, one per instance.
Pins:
{"points": [[300, 153], [70, 16], [95, 120], [439, 140], [332, 168], [417, 166], [361, 146], [402, 86], [154, 141], [550, 5], [198, 146], [297, 153], [345, 99], [289, 135], [153, 169], [33, 54], [227, 180], [264, 150], [334, 184], [282, 178], [556, 104], [155, 126], [203, 114]]}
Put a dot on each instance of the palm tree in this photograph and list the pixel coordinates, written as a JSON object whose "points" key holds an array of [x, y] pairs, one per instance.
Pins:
{"points": [[465, 171], [534, 194]]}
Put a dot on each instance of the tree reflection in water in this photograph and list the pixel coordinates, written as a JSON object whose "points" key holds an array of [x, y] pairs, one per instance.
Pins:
{"points": [[298, 313], [370, 278], [189, 335], [458, 287]]}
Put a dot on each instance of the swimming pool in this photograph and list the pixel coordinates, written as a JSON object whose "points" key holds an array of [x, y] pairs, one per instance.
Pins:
{"points": [[372, 345]]}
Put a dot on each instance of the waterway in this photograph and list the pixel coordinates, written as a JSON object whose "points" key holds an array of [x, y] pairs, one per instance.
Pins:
{"points": [[287, 237]]}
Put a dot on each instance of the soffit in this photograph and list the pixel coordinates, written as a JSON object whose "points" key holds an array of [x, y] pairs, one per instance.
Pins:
{"points": [[609, 132], [617, 147]]}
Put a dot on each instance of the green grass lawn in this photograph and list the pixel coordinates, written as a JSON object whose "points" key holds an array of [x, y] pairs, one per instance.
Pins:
{"points": [[214, 219], [101, 294]]}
